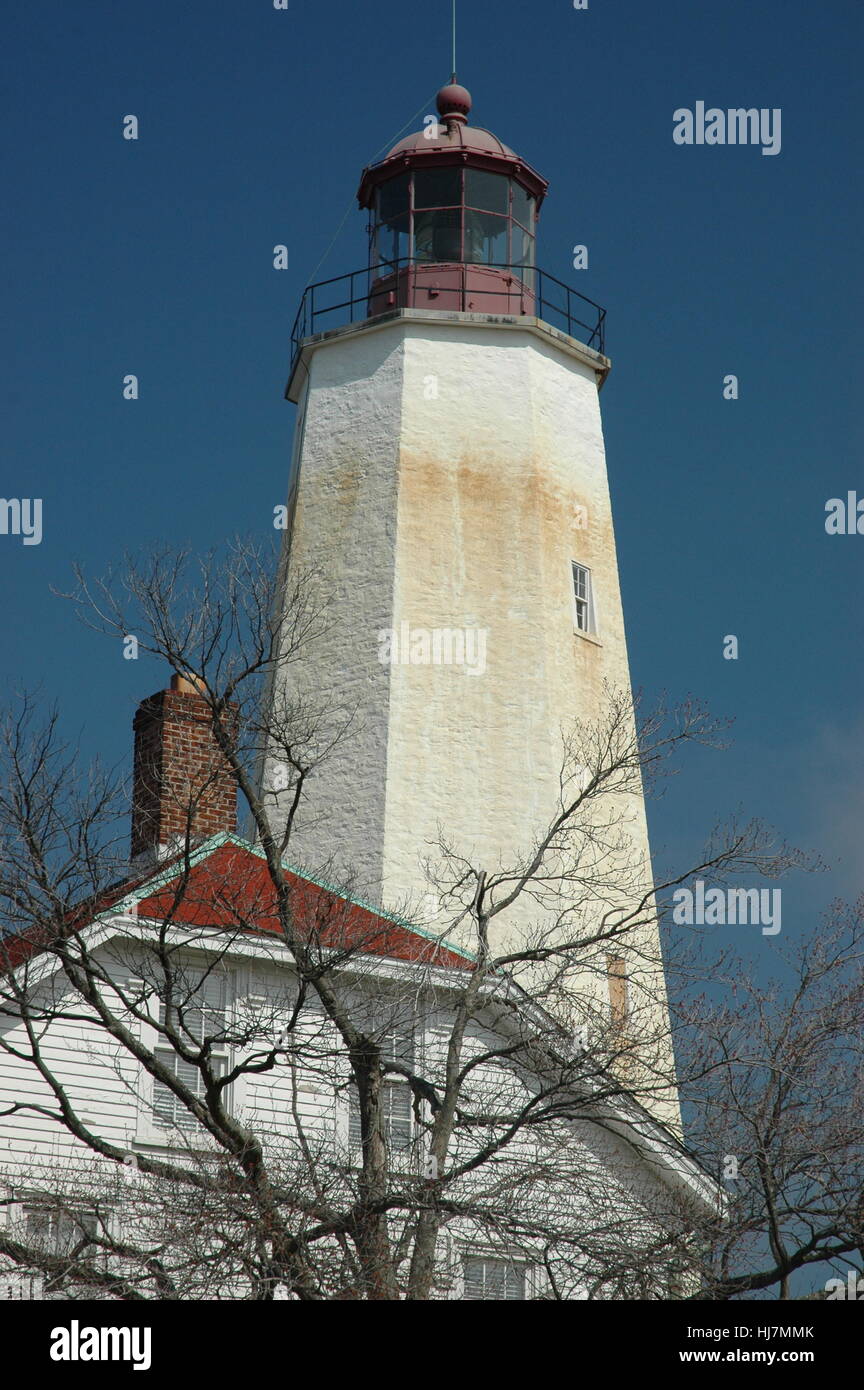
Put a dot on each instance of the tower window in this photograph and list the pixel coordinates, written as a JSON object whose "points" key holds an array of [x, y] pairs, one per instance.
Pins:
{"points": [[619, 1006], [448, 215], [487, 191], [583, 599], [438, 188]]}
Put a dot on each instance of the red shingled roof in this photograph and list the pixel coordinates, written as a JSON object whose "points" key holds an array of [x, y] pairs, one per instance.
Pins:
{"points": [[228, 886]]}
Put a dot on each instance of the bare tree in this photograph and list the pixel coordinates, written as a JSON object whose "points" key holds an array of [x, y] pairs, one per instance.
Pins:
{"points": [[487, 1091], [776, 1088]]}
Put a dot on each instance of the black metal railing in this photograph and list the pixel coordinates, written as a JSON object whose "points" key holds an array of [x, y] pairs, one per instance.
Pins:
{"points": [[365, 294]]}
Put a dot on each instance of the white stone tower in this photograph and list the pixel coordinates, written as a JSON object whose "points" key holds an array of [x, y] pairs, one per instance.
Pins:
{"points": [[449, 481]]}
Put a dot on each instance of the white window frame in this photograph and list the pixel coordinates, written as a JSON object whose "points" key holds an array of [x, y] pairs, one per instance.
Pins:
{"points": [[151, 1130], [584, 603]]}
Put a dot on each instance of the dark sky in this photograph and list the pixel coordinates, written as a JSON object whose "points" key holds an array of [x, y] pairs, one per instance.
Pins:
{"points": [[155, 257]]}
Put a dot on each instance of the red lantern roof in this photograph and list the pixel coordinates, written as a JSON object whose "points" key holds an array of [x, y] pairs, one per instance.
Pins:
{"points": [[450, 140]]}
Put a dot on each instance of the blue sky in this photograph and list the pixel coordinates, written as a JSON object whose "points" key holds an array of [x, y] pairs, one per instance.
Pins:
{"points": [[155, 257]]}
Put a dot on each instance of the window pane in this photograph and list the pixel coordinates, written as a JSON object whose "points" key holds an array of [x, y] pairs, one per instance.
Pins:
{"points": [[395, 1115], [523, 206], [392, 244], [437, 188], [58, 1233], [584, 600], [354, 1132], [397, 1045], [39, 1229], [494, 1279], [393, 198], [485, 238], [522, 252], [199, 1007], [487, 191], [169, 1109], [397, 1112], [438, 235]]}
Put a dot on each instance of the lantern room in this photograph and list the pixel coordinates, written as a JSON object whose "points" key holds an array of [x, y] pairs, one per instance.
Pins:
{"points": [[453, 215]]}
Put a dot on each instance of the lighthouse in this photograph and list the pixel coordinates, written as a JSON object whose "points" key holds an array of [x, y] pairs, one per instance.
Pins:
{"points": [[448, 489]]}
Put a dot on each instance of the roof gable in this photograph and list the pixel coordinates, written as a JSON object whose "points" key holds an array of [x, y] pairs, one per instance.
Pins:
{"points": [[227, 886]]}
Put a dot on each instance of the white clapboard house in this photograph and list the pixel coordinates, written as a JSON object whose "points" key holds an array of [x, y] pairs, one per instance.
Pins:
{"points": [[81, 1114]]}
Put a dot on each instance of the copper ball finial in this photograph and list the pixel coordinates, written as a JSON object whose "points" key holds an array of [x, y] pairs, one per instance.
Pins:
{"points": [[453, 102]]}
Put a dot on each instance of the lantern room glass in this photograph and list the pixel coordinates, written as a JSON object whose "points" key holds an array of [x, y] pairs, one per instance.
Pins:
{"points": [[451, 214]]}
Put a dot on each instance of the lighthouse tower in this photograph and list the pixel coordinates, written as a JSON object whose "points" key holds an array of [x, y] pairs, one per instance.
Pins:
{"points": [[448, 489]]}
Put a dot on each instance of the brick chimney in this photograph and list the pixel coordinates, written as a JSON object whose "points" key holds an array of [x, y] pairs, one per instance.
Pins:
{"points": [[180, 778]]}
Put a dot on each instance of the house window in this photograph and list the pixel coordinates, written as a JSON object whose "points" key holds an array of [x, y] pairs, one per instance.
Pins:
{"points": [[57, 1232], [396, 1043], [197, 1015], [493, 1280], [396, 1114], [583, 599]]}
